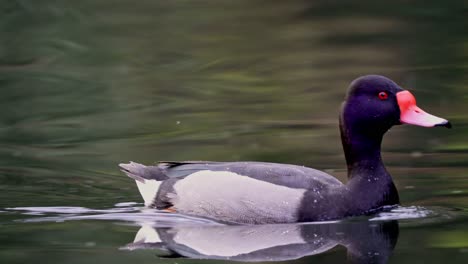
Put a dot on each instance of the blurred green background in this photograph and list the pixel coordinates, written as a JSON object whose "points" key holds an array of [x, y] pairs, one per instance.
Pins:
{"points": [[88, 84]]}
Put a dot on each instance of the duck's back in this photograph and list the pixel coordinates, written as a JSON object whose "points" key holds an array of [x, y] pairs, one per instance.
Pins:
{"points": [[288, 175]]}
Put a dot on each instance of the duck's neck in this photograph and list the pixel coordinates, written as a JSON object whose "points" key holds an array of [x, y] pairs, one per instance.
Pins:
{"points": [[361, 149], [362, 153], [367, 176]]}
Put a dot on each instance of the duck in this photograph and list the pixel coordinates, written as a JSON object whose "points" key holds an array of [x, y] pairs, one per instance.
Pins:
{"points": [[251, 192]]}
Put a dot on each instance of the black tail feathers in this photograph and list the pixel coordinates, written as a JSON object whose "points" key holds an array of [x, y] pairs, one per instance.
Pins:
{"points": [[140, 172]]}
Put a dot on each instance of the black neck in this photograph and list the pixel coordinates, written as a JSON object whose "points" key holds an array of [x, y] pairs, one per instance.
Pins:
{"points": [[366, 170], [361, 149]]}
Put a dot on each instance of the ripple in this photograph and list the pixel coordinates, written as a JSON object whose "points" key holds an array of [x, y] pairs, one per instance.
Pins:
{"points": [[124, 212], [135, 213], [67, 210], [402, 213], [125, 204], [418, 215]]}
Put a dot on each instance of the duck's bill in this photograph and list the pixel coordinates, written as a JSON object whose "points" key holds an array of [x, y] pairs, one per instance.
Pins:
{"points": [[410, 113]]}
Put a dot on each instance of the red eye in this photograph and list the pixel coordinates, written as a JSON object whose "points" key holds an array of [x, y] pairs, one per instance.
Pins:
{"points": [[383, 96]]}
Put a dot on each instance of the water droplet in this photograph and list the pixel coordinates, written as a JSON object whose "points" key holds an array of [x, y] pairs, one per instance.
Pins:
{"points": [[90, 244]]}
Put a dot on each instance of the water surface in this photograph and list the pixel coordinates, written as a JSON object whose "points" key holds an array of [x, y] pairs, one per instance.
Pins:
{"points": [[89, 84]]}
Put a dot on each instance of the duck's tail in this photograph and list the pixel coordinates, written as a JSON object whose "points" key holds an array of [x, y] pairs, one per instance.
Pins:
{"points": [[147, 178], [140, 172]]}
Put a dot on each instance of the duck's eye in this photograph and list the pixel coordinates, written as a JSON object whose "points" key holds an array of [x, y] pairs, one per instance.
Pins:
{"points": [[383, 96]]}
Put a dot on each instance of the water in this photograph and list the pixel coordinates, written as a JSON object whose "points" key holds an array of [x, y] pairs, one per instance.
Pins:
{"points": [[367, 239], [87, 85]]}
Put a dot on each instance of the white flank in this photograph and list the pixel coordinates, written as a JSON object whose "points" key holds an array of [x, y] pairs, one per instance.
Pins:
{"points": [[236, 198], [148, 190], [147, 234]]}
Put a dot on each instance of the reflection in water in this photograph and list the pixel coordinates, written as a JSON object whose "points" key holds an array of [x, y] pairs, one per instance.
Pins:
{"points": [[366, 242], [367, 239]]}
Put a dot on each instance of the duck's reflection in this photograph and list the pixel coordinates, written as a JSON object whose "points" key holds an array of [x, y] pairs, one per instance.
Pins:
{"points": [[366, 242]]}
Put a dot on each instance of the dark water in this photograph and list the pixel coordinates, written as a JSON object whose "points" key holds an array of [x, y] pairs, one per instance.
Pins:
{"points": [[88, 84]]}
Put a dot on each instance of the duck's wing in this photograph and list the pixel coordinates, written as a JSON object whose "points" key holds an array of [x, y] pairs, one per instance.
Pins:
{"points": [[287, 175]]}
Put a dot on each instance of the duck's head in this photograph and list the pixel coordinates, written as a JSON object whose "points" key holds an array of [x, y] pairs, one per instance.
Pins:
{"points": [[375, 103]]}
